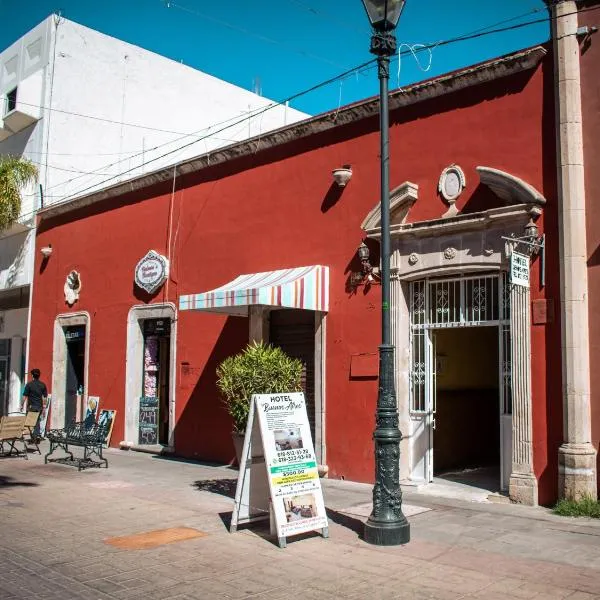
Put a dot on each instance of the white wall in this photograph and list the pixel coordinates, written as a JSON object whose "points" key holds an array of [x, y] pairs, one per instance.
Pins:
{"points": [[15, 322], [84, 72], [16, 256], [97, 75]]}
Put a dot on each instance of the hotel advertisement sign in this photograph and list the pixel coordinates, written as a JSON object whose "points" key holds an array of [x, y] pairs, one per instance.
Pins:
{"points": [[296, 495], [519, 269]]}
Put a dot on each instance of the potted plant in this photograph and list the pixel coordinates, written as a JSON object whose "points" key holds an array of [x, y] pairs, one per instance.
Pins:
{"points": [[258, 369]]}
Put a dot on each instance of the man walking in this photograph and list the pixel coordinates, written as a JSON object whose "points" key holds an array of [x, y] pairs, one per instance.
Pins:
{"points": [[35, 398]]}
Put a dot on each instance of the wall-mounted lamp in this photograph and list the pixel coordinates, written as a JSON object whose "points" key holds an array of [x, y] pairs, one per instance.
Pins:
{"points": [[342, 175], [46, 250], [532, 236], [368, 273], [533, 243]]}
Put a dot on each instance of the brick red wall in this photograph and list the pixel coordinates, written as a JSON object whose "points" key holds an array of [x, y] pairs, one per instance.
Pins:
{"points": [[279, 209]]}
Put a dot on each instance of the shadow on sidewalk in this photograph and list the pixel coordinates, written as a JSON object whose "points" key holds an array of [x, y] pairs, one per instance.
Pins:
{"points": [[6, 481], [355, 525], [224, 487]]}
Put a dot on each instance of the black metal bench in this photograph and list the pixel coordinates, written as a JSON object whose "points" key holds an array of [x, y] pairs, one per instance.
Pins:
{"points": [[89, 436]]}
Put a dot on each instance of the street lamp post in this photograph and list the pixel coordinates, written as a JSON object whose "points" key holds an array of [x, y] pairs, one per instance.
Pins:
{"points": [[387, 525]]}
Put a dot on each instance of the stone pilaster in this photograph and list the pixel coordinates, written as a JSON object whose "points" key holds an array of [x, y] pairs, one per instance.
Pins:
{"points": [[577, 456], [522, 487]]}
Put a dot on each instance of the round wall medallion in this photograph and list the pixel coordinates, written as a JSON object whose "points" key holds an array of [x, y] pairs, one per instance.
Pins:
{"points": [[449, 253], [413, 258], [452, 183]]}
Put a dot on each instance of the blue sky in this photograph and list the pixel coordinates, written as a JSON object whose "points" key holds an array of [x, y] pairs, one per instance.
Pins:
{"points": [[283, 47]]}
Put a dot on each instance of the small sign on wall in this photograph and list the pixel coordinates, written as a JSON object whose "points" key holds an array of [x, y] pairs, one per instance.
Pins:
{"points": [[152, 271], [519, 269], [148, 421]]}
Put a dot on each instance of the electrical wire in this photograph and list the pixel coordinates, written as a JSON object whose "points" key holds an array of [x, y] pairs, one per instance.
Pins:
{"points": [[367, 64], [361, 69], [163, 144], [253, 34], [113, 121]]}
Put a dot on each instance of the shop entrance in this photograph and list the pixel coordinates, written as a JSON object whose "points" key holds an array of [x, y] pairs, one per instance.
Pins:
{"points": [[154, 410], [466, 433], [461, 396], [75, 369], [293, 331]]}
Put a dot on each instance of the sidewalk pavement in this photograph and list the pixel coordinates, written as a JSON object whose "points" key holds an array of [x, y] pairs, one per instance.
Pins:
{"points": [[58, 528]]}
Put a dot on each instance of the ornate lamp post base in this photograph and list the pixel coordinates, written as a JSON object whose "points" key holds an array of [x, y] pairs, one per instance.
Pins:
{"points": [[387, 534], [387, 525]]}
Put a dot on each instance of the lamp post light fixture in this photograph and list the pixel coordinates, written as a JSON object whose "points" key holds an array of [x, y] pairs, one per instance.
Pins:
{"points": [[387, 525]]}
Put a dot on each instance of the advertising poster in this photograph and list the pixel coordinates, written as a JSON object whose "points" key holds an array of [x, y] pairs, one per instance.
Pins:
{"points": [[44, 417], [291, 463], [107, 419]]}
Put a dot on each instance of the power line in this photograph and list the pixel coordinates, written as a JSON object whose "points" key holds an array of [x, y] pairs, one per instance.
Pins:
{"points": [[152, 149], [339, 77], [361, 69], [105, 120], [327, 16], [253, 34]]}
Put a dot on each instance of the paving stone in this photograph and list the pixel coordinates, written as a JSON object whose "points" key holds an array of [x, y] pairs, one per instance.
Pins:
{"points": [[458, 550]]}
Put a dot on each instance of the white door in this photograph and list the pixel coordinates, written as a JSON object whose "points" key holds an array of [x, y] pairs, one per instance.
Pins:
{"points": [[430, 399], [505, 385]]}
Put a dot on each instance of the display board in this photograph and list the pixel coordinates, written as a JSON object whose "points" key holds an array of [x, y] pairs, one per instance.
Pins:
{"points": [[107, 419], [44, 416], [148, 420], [278, 424]]}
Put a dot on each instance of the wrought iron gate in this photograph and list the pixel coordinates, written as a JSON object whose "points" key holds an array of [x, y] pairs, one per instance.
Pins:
{"points": [[482, 301]]}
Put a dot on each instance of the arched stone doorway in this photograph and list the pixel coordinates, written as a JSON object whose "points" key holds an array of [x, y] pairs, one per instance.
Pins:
{"points": [[459, 263]]}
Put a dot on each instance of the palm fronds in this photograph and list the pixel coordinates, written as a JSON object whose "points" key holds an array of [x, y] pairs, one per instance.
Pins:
{"points": [[15, 174]]}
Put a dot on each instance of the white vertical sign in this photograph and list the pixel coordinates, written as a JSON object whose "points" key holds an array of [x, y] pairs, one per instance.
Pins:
{"points": [[519, 269]]}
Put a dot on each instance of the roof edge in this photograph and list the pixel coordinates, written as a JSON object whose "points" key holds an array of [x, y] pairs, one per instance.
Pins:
{"points": [[477, 74]]}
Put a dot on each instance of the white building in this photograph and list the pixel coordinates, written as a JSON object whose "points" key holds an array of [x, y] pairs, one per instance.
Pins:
{"points": [[90, 111]]}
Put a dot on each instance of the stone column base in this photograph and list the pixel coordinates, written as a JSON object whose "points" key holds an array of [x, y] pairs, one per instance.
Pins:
{"points": [[577, 471], [523, 488]]}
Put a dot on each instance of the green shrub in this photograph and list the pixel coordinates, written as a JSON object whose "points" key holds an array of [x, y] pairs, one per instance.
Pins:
{"points": [[586, 507], [259, 369]]}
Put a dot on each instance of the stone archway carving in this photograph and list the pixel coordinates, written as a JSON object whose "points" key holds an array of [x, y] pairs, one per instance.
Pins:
{"points": [[401, 200], [468, 243]]}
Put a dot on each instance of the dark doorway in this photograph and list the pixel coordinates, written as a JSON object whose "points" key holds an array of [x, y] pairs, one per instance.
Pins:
{"points": [[466, 439], [75, 368], [156, 374], [4, 375], [294, 332]]}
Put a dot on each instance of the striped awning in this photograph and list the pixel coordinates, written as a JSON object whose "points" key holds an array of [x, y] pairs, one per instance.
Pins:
{"points": [[302, 287]]}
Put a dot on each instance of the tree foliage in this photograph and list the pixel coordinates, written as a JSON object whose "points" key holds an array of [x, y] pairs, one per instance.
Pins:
{"points": [[259, 369], [15, 174]]}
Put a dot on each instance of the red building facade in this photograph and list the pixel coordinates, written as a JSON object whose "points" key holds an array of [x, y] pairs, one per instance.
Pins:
{"points": [[468, 394]]}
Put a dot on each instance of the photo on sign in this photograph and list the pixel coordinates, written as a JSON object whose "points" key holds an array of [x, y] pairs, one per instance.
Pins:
{"points": [[288, 439], [300, 507], [91, 411], [107, 419]]}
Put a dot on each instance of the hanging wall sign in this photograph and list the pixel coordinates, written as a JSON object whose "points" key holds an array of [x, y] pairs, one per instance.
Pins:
{"points": [[519, 269], [291, 467], [152, 271]]}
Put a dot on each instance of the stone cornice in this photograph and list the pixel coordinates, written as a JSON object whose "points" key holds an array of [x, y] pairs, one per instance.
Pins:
{"points": [[494, 217], [420, 92]]}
